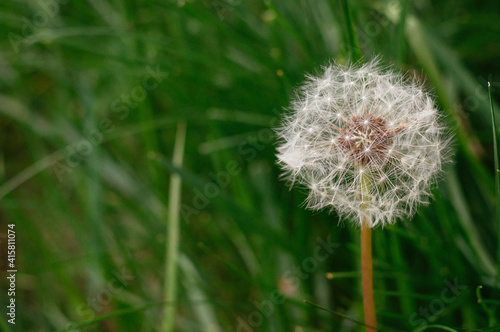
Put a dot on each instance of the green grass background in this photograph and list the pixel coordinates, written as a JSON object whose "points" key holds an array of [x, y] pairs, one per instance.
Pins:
{"points": [[91, 239]]}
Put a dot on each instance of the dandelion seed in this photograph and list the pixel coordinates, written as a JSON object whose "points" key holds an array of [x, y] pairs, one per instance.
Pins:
{"points": [[386, 133]]}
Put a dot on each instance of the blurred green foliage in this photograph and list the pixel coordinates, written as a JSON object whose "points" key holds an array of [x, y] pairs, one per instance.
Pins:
{"points": [[91, 92]]}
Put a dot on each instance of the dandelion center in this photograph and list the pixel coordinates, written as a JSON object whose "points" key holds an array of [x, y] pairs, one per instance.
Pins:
{"points": [[366, 138]]}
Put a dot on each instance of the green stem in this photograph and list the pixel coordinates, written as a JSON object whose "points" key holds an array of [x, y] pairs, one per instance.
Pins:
{"points": [[351, 33], [400, 31], [172, 245], [497, 175]]}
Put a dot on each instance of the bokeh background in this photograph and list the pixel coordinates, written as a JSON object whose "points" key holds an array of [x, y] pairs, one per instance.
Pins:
{"points": [[95, 96]]}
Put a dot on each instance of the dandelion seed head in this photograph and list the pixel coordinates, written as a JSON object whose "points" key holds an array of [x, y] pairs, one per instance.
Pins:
{"points": [[355, 124]]}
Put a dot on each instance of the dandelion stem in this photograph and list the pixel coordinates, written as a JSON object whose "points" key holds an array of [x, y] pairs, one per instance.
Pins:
{"points": [[366, 260], [367, 278]]}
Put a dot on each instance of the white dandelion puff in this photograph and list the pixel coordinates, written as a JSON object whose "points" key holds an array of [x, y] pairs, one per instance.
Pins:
{"points": [[364, 140]]}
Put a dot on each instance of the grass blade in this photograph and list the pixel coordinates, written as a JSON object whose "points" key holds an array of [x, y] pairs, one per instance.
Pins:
{"points": [[351, 33], [114, 314], [497, 174], [441, 327], [173, 231], [400, 49]]}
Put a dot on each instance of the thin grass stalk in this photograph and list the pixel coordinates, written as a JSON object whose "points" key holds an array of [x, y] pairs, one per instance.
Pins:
{"points": [[172, 236], [351, 33], [497, 176]]}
